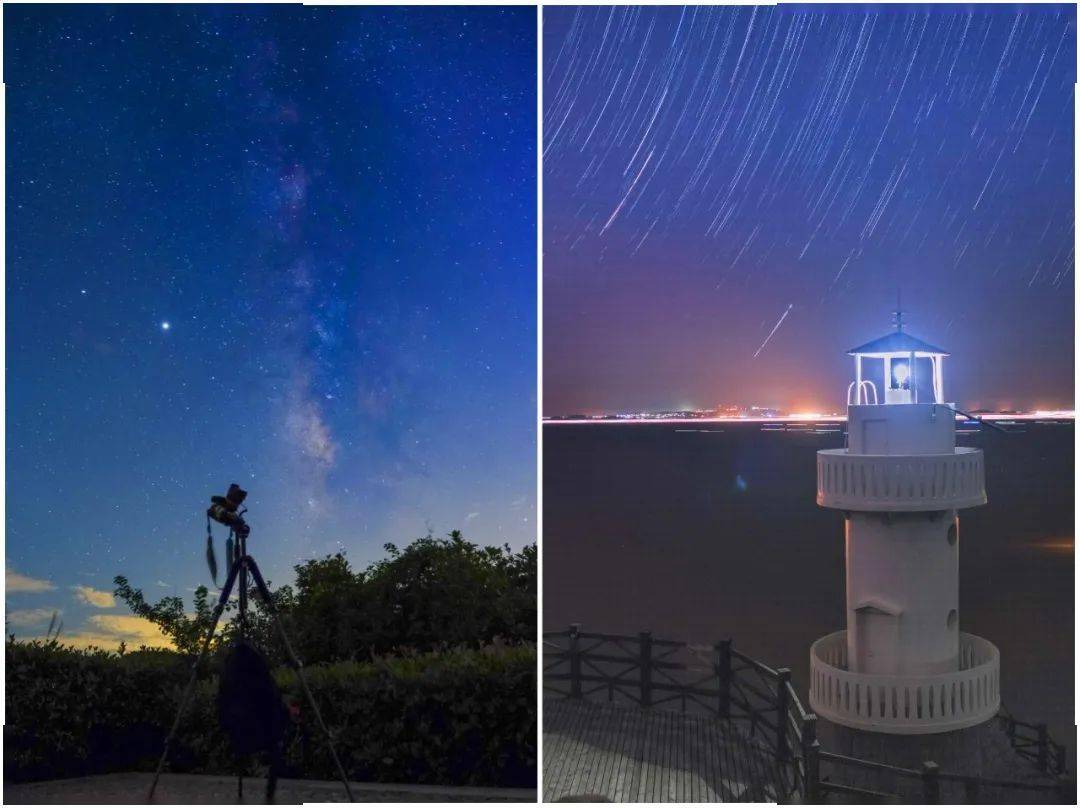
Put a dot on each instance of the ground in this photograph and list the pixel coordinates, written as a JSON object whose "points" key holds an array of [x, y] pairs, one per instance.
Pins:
{"points": [[199, 789], [595, 751]]}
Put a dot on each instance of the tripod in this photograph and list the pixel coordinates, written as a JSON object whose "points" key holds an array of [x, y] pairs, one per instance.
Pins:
{"points": [[240, 566]]}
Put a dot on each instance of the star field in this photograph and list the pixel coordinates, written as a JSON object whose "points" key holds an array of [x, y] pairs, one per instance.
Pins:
{"points": [[709, 169], [288, 247]]}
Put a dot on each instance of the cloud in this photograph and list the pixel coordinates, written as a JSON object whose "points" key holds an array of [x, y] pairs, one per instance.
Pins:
{"points": [[93, 597], [469, 517], [129, 626], [30, 617], [107, 631], [17, 582]]}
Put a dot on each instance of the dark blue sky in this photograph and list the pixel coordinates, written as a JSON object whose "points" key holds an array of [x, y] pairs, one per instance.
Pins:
{"points": [[706, 168], [334, 211]]}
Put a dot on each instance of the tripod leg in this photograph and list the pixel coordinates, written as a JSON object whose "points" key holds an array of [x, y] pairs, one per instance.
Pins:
{"points": [[194, 675], [264, 593]]}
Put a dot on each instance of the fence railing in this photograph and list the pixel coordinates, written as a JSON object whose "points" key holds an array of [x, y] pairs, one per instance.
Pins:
{"points": [[722, 681], [1033, 741]]}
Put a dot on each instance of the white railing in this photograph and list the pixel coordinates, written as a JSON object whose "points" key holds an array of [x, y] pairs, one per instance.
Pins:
{"points": [[905, 704], [935, 482], [862, 395]]}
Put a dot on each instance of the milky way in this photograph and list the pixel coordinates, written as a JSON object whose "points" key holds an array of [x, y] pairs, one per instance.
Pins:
{"points": [[333, 211], [704, 167]]}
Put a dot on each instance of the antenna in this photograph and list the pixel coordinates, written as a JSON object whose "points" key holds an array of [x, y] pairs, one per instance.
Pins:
{"points": [[898, 315]]}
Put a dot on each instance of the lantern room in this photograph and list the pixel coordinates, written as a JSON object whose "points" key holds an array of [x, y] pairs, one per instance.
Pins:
{"points": [[910, 371]]}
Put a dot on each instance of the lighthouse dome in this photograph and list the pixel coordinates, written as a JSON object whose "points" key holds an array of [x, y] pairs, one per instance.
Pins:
{"points": [[897, 343]]}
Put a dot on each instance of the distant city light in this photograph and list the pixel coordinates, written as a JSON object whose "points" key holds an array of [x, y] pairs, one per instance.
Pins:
{"points": [[767, 415]]}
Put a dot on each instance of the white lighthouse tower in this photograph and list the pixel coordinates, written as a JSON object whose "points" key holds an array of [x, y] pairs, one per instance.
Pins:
{"points": [[902, 666]]}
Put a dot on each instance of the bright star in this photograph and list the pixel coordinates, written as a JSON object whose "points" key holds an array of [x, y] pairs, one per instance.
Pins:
{"points": [[165, 325]]}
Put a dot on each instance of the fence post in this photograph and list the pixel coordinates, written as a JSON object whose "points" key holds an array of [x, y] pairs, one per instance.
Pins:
{"points": [[1044, 759], [575, 661], [723, 677], [811, 761], [971, 791], [1067, 791], [645, 662], [782, 703], [930, 783]]}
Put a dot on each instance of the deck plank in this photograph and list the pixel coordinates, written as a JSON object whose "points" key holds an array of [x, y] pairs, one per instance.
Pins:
{"points": [[629, 754], [707, 752], [704, 763], [576, 729], [561, 757]]}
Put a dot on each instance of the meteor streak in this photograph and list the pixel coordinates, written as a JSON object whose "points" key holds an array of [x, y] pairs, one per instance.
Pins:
{"points": [[775, 328]]}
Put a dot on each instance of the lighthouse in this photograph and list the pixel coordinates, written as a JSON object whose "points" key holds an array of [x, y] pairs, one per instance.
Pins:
{"points": [[902, 665]]}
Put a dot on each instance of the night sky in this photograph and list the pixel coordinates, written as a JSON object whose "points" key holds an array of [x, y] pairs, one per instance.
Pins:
{"points": [[288, 247], [709, 170]]}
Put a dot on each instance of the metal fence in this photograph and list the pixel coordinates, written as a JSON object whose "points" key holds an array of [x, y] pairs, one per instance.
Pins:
{"points": [[1033, 742], [721, 681]]}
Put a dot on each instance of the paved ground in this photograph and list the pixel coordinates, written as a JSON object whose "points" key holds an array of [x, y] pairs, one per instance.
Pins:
{"points": [[617, 753], [199, 789]]}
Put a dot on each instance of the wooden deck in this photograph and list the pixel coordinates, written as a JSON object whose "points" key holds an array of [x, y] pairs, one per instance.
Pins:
{"points": [[625, 753]]}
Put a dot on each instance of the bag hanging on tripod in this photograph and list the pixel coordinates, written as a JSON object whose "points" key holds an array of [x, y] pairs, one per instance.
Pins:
{"points": [[251, 709]]}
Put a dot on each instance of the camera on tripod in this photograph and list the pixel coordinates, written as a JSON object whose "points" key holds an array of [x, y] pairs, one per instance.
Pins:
{"points": [[226, 510], [249, 702]]}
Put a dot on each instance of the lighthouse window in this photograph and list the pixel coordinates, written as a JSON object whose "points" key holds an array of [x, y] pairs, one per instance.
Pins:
{"points": [[951, 536], [950, 621]]}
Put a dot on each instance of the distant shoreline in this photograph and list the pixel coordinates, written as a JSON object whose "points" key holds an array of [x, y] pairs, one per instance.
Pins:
{"points": [[1046, 417]]}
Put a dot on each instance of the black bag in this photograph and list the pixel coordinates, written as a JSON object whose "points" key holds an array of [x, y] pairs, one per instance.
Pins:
{"points": [[251, 709]]}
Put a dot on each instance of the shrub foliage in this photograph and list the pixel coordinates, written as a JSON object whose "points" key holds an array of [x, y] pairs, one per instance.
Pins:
{"points": [[423, 664], [432, 594], [454, 717]]}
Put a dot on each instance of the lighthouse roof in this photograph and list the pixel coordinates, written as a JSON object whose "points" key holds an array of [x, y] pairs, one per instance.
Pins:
{"points": [[898, 342]]}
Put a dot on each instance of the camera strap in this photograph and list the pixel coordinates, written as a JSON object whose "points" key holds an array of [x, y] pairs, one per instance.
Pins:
{"points": [[211, 559]]}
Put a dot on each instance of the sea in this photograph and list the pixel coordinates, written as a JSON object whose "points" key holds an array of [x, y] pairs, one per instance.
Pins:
{"points": [[700, 531]]}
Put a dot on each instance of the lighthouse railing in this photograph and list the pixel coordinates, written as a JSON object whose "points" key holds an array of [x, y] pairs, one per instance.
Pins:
{"points": [[900, 703], [901, 482]]}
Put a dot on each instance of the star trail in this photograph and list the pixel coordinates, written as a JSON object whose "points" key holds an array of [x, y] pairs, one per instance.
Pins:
{"points": [[288, 247], [706, 167]]}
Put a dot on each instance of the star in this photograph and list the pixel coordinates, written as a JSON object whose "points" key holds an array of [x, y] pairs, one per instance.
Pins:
{"points": [[165, 325]]}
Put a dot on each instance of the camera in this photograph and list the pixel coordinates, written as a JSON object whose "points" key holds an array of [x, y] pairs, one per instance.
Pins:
{"points": [[226, 510]]}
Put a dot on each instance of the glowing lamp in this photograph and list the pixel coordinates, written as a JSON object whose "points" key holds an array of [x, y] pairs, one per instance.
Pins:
{"points": [[908, 365]]}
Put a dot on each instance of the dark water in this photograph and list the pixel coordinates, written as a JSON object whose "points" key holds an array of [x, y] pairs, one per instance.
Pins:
{"points": [[701, 535]]}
